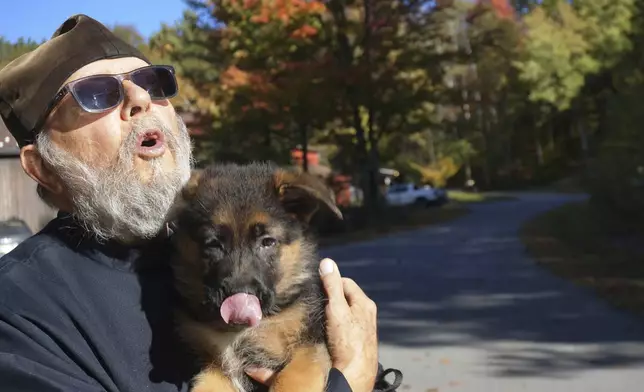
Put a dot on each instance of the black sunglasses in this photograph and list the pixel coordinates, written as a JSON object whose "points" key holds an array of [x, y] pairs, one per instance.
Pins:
{"points": [[100, 93]]}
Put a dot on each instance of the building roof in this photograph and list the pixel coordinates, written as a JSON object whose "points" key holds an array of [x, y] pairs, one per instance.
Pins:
{"points": [[8, 145]]}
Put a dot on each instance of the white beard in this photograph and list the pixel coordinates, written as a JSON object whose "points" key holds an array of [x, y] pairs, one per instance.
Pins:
{"points": [[112, 203]]}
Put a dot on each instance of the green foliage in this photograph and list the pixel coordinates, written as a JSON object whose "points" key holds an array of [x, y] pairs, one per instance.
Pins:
{"points": [[557, 56], [10, 51], [608, 25]]}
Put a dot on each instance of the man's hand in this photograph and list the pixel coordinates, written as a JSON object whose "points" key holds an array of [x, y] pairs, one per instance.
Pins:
{"points": [[351, 331]]}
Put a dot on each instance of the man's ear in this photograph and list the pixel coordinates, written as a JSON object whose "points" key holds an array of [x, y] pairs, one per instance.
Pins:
{"points": [[301, 194], [34, 166]]}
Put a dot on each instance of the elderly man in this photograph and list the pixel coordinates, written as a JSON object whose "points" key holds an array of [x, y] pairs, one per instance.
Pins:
{"points": [[86, 304]]}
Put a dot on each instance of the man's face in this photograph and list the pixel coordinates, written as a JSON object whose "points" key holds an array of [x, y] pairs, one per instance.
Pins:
{"points": [[118, 186]]}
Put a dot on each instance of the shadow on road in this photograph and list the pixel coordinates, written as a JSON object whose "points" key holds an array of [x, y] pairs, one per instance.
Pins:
{"points": [[469, 284]]}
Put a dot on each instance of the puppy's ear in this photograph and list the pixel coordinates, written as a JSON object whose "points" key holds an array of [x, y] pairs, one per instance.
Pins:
{"points": [[184, 197], [190, 189], [301, 194]]}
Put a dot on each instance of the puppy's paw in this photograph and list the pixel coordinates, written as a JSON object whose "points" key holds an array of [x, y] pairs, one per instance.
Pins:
{"points": [[306, 371], [212, 380]]}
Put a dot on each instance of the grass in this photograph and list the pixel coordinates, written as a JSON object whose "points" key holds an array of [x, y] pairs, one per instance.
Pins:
{"points": [[477, 197], [395, 219], [593, 248]]}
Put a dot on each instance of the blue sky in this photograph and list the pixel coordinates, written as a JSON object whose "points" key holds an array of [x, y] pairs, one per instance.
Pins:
{"points": [[38, 19]]}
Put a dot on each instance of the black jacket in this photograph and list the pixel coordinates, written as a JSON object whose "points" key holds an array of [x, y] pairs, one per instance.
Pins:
{"points": [[83, 317]]}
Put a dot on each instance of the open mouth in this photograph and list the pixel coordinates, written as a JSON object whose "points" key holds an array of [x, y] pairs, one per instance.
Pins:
{"points": [[151, 144]]}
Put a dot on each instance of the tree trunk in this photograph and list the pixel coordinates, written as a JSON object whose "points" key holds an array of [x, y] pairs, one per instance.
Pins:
{"points": [[468, 171], [551, 135], [580, 125], [363, 158], [583, 139], [304, 129], [345, 57], [432, 147], [374, 156], [538, 147], [536, 135], [374, 166]]}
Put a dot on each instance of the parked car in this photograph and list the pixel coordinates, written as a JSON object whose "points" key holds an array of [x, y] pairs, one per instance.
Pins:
{"points": [[441, 196], [409, 193], [12, 233]]}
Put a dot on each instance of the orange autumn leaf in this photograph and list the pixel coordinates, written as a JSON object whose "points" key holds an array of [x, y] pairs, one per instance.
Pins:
{"points": [[235, 77], [283, 15], [282, 10], [304, 32], [316, 7], [262, 18]]}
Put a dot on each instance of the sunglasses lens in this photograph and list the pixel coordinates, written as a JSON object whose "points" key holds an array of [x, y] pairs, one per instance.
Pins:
{"points": [[159, 82], [98, 93]]}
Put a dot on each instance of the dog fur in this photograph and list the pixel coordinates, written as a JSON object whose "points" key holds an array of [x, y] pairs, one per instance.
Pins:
{"points": [[243, 228]]}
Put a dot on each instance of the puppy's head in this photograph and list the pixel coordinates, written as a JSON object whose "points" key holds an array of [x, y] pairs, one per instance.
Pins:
{"points": [[242, 252]]}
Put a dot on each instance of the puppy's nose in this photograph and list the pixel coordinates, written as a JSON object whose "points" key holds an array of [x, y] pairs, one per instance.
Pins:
{"points": [[242, 284]]}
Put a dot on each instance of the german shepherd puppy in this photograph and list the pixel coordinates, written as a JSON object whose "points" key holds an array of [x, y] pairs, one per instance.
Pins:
{"points": [[246, 271]]}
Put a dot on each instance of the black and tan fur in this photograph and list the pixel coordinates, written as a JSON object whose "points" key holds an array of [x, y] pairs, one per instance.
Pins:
{"points": [[244, 228]]}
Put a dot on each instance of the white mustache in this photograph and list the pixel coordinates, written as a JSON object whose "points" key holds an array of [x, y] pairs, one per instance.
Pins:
{"points": [[141, 126]]}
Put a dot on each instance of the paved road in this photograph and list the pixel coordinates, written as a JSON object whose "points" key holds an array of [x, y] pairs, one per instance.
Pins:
{"points": [[463, 308]]}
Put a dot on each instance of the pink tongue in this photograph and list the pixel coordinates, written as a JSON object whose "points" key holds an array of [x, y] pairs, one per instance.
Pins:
{"points": [[241, 308]]}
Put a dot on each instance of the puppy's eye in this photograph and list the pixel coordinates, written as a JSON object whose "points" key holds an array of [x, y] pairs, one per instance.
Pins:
{"points": [[214, 243], [268, 242]]}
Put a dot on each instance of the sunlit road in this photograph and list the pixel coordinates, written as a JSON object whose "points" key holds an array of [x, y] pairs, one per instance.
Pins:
{"points": [[463, 308]]}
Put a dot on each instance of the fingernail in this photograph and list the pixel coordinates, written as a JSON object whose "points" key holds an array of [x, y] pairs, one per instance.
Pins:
{"points": [[263, 376], [326, 267]]}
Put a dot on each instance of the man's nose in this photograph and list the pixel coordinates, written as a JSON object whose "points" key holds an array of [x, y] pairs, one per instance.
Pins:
{"points": [[136, 102]]}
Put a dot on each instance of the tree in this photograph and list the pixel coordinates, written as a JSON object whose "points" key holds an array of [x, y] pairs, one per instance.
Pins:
{"points": [[10, 51]]}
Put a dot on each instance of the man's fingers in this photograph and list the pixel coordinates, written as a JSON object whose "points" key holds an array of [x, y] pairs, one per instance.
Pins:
{"points": [[352, 292], [355, 296], [332, 282]]}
